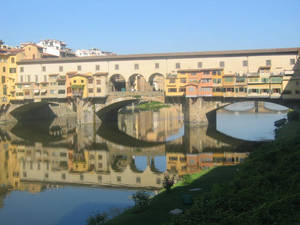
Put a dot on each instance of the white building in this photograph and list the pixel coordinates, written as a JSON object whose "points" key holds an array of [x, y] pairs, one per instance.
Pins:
{"points": [[91, 52], [55, 47]]}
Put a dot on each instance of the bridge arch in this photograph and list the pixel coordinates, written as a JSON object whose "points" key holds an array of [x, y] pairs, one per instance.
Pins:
{"points": [[117, 83], [157, 81], [34, 110], [137, 82]]}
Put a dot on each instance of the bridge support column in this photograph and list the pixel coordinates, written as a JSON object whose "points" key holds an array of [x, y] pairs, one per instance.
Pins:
{"points": [[198, 111]]}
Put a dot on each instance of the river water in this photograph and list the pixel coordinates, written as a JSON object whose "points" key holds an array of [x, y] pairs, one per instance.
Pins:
{"points": [[57, 173]]}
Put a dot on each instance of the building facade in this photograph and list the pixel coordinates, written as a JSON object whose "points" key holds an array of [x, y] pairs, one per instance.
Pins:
{"points": [[245, 73]]}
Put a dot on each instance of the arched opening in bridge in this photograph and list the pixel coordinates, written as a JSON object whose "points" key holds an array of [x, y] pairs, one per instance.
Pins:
{"points": [[157, 82], [117, 83], [137, 82], [250, 120]]}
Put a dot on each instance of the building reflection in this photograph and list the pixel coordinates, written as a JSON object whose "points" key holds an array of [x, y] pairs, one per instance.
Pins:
{"points": [[82, 157]]}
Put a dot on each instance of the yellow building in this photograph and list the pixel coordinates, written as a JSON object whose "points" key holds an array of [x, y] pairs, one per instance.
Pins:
{"points": [[8, 69], [175, 84], [176, 163], [78, 84], [217, 76]]}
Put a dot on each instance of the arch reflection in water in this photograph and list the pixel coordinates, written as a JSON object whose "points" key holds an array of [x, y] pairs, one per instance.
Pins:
{"points": [[83, 157]]}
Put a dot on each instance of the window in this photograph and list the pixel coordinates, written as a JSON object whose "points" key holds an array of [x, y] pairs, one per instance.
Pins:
{"points": [[99, 157], [191, 89], [245, 63], [91, 90], [172, 90], [12, 70], [199, 64], [98, 82], [264, 80], [156, 65], [46, 175], [52, 92], [61, 91], [3, 79], [99, 178], [21, 79], [79, 68], [45, 78], [4, 69], [116, 66], [119, 179], [97, 67], [100, 165], [138, 180], [81, 177], [228, 79], [172, 80], [177, 65], [268, 62], [222, 64], [136, 66], [98, 90], [28, 78], [21, 69], [12, 60], [61, 83], [44, 68], [82, 81], [182, 80], [63, 176], [61, 68], [292, 61], [36, 79], [90, 81], [158, 181]]}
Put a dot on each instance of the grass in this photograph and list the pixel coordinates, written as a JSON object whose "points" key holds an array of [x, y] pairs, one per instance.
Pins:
{"points": [[158, 211], [151, 106]]}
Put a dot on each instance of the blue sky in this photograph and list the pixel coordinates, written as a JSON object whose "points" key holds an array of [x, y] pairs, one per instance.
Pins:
{"points": [[141, 26]]}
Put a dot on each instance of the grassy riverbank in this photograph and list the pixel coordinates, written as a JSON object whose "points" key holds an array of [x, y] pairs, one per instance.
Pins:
{"points": [[151, 106], [264, 190]]}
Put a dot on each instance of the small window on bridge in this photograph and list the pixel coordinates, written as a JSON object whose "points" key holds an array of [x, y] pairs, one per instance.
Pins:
{"points": [[119, 178], [138, 180]]}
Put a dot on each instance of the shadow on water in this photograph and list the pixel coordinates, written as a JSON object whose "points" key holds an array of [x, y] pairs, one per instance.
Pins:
{"points": [[111, 133], [34, 132]]}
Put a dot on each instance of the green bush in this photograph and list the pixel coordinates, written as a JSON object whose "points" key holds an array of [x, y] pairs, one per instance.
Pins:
{"points": [[186, 179], [98, 219], [141, 200], [265, 191]]}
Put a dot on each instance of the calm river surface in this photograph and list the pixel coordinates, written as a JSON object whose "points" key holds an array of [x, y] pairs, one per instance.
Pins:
{"points": [[57, 173]]}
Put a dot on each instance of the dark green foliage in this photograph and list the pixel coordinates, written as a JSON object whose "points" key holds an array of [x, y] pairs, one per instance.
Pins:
{"points": [[168, 182], [97, 219], [141, 200], [293, 116], [265, 191]]}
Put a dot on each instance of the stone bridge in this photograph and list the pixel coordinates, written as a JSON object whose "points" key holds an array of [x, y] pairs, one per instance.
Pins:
{"points": [[202, 110]]}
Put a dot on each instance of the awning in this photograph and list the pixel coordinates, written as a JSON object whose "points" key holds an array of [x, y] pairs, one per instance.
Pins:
{"points": [[43, 91], [36, 91]]}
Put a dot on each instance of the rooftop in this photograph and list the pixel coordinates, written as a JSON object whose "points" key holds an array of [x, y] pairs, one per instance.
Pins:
{"points": [[174, 55]]}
